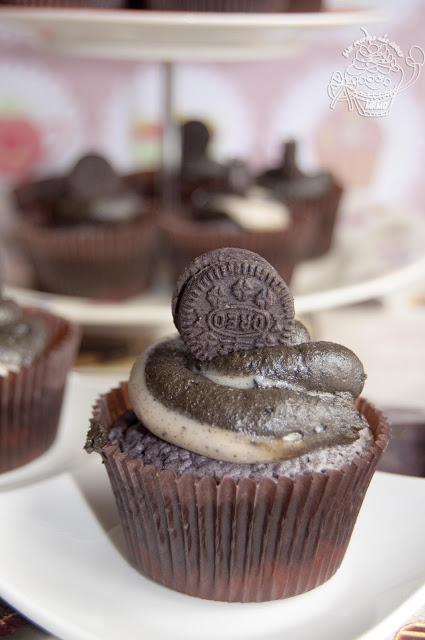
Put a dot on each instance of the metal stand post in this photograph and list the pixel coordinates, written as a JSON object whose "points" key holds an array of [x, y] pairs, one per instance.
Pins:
{"points": [[171, 144]]}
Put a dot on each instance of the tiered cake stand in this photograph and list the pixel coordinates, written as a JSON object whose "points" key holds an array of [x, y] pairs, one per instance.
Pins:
{"points": [[173, 37]]}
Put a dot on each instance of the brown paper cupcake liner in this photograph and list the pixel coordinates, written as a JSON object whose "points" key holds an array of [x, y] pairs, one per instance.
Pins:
{"points": [[184, 240], [235, 540], [315, 220], [31, 399], [251, 6], [109, 263]]}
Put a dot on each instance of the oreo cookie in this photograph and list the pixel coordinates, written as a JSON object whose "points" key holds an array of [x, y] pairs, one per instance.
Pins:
{"points": [[195, 137], [91, 177], [231, 300]]}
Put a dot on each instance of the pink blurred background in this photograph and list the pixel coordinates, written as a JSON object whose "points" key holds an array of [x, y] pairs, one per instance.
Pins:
{"points": [[54, 108]]}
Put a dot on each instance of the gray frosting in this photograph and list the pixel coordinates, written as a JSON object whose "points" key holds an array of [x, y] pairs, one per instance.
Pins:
{"points": [[22, 339], [311, 366], [282, 401]]}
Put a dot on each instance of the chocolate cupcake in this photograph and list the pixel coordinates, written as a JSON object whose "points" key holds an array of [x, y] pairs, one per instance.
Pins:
{"points": [[239, 453], [249, 221], [36, 352], [313, 199], [89, 233], [222, 206], [225, 6]]}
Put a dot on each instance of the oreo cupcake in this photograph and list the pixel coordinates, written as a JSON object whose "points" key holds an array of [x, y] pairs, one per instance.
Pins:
{"points": [[90, 233], [37, 350], [222, 206], [198, 169], [239, 453], [313, 199]]}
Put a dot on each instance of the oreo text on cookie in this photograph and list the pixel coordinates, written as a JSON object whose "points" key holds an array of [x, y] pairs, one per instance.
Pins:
{"points": [[233, 321], [232, 300]]}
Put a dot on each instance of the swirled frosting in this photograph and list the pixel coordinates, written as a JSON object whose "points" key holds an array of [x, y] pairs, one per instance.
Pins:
{"points": [[253, 210], [22, 339], [255, 406]]}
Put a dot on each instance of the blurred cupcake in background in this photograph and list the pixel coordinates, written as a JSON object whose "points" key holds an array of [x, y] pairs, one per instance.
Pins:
{"points": [[222, 207], [37, 350], [89, 233], [312, 198]]}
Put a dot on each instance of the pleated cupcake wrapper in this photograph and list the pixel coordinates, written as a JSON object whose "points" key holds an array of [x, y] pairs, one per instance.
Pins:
{"points": [[113, 262], [31, 399], [315, 221], [230, 540], [262, 6], [185, 240]]}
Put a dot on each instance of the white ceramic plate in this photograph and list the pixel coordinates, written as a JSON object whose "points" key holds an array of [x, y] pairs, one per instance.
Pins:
{"points": [[67, 451], [174, 36], [62, 565], [384, 253]]}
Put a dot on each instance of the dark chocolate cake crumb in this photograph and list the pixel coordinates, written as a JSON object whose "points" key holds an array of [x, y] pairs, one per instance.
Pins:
{"points": [[134, 439]]}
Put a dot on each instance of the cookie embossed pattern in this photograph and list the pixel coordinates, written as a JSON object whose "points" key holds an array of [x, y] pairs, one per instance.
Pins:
{"points": [[375, 75], [233, 299]]}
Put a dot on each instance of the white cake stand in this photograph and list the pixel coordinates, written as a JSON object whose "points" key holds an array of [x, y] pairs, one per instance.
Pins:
{"points": [[176, 36], [173, 37]]}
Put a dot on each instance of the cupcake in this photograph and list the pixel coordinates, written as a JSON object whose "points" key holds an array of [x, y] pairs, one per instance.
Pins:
{"points": [[314, 200], [90, 233], [222, 206], [37, 350], [251, 220], [249, 6], [239, 452]]}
